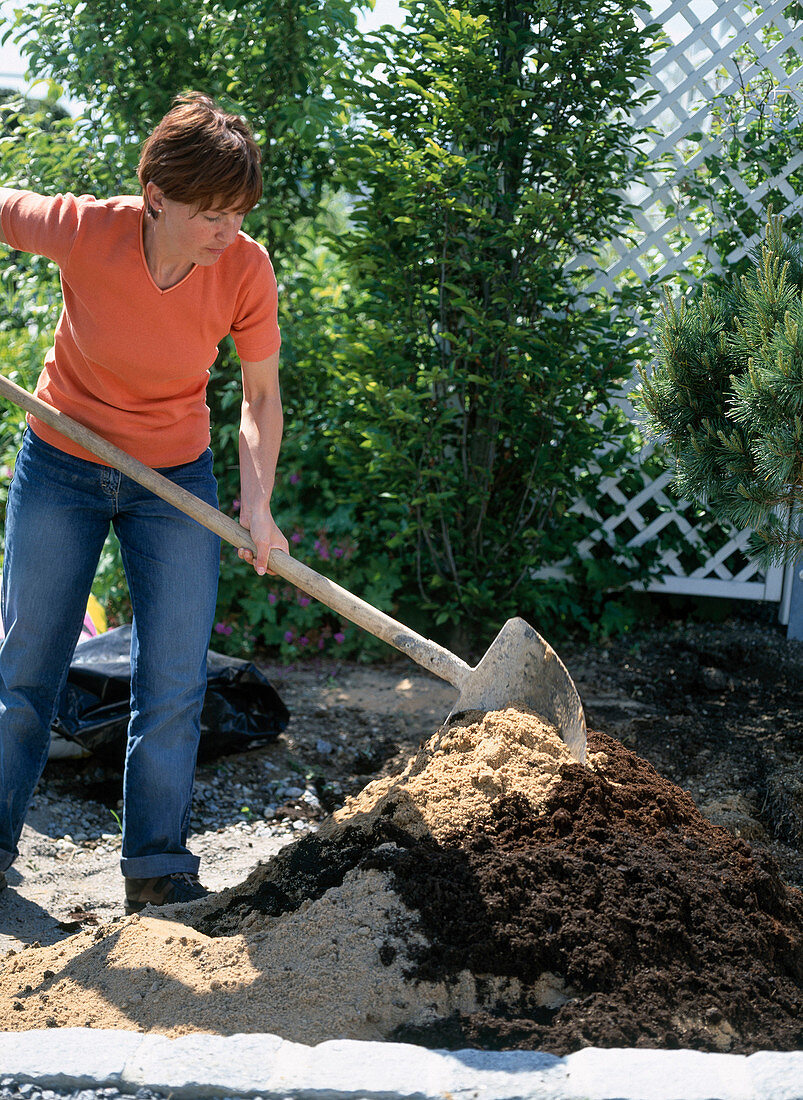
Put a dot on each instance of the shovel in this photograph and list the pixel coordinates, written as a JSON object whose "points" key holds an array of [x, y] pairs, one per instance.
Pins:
{"points": [[519, 668]]}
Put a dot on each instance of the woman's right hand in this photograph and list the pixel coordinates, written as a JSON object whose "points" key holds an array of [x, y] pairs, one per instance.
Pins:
{"points": [[267, 536]]}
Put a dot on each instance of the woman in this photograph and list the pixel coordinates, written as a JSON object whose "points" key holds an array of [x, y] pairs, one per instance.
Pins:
{"points": [[151, 285]]}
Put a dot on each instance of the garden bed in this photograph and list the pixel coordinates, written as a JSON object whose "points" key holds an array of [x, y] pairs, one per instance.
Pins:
{"points": [[494, 893]]}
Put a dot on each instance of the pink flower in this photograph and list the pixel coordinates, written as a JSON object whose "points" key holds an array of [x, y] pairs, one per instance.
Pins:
{"points": [[303, 601], [339, 551], [340, 637], [303, 640], [223, 628], [321, 643], [235, 504], [294, 479], [288, 635], [322, 550], [272, 597], [295, 537]]}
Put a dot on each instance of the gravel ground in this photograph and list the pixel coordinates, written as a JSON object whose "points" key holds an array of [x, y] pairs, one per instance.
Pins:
{"points": [[11, 1090]]}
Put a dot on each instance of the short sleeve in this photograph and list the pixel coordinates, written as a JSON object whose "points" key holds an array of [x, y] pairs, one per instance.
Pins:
{"points": [[255, 329], [45, 225]]}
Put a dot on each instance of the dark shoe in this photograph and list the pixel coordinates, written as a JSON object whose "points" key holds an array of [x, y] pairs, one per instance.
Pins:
{"points": [[181, 886]]}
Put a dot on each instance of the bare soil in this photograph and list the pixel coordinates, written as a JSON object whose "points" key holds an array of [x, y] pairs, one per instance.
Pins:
{"points": [[663, 877]]}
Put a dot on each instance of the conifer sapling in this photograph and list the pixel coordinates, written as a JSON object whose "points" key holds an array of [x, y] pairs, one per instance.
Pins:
{"points": [[726, 393]]}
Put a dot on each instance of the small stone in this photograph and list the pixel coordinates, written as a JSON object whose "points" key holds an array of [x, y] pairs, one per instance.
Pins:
{"points": [[714, 679]]}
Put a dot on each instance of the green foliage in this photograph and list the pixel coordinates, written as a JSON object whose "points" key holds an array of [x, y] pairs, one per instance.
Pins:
{"points": [[727, 391], [21, 356], [281, 63], [752, 142], [489, 152]]}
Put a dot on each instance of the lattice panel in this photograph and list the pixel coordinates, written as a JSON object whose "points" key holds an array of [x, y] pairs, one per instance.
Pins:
{"points": [[706, 558], [702, 65], [716, 48]]}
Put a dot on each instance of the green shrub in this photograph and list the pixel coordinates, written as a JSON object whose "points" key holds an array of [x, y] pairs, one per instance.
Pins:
{"points": [[479, 383], [727, 392]]}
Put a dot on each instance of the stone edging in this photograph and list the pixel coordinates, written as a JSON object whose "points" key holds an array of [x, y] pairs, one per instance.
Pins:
{"points": [[203, 1065]]}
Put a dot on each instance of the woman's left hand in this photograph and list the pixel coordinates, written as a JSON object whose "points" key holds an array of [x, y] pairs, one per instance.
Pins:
{"points": [[266, 536], [260, 435]]}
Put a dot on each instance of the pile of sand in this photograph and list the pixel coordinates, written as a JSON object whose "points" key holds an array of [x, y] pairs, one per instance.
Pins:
{"points": [[494, 894], [455, 777]]}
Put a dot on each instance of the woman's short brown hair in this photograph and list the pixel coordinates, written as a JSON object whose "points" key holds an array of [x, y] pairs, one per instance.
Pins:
{"points": [[203, 156]]}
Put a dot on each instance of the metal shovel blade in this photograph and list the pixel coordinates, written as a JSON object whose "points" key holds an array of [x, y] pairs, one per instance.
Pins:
{"points": [[520, 668]]}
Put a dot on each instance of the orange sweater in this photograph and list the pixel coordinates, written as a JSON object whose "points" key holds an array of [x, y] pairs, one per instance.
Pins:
{"points": [[129, 360]]}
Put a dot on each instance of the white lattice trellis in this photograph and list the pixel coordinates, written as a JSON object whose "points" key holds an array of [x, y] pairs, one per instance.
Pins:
{"points": [[715, 49]]}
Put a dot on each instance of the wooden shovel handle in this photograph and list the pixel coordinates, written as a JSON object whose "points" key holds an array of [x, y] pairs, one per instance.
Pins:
{"points": [[424, 652]]}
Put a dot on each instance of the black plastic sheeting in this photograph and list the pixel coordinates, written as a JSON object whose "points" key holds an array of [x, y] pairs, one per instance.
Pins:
{"points": [[241, 707]]}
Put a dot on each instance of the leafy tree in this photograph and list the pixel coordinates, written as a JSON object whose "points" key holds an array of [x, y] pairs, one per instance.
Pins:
{"points": [[491, 149], [18, 105], [727, 392]]}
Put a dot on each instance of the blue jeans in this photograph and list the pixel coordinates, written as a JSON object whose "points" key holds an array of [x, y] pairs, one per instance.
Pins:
{"points": [[57, 519]]}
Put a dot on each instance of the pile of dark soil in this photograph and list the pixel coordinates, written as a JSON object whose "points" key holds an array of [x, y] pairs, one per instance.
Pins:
{"points": [[621, 916], [668, 931], [716, 708]]}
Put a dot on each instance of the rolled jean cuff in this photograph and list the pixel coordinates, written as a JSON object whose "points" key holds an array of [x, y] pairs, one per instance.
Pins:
{"points": [[6, 859], [163, 864]]}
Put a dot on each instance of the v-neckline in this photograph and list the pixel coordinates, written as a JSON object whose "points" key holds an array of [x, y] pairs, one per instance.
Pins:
{"points": [[144, 259]]}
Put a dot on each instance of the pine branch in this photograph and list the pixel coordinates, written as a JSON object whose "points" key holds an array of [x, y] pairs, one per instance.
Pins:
{"points": [[726, 392]]}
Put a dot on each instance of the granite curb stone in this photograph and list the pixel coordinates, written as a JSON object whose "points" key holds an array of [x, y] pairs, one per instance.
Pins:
{"points": [[76, 1057], [203, 1065], [780, 1073]]}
